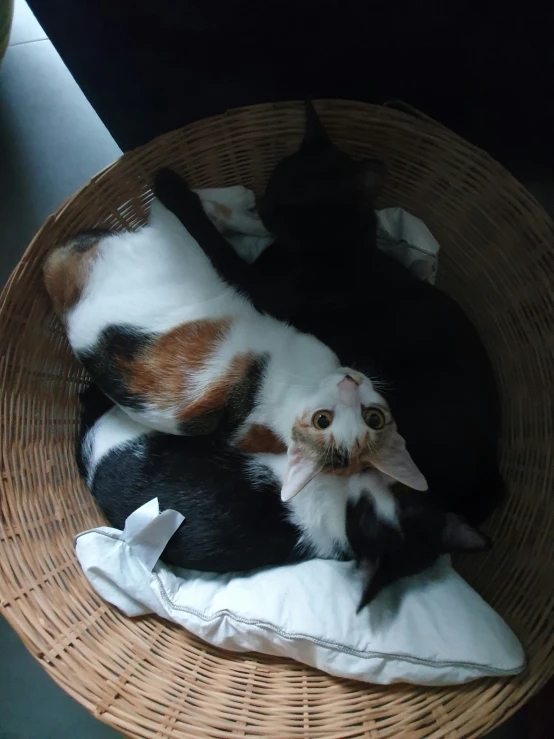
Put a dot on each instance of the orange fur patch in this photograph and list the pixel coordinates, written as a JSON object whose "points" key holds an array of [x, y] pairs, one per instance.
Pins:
{"points": [[65, 276], [260, 439], [160, 372], [222, 210]]}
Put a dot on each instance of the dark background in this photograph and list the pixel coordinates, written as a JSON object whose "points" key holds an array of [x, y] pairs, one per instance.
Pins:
{"points": [[484, 69]]}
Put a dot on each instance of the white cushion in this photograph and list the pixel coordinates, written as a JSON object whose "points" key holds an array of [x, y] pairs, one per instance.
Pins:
{"points": [[429, 629]]}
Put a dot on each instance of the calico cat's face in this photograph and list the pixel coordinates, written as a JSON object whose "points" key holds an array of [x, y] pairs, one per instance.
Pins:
{"points": [[346, 428]]}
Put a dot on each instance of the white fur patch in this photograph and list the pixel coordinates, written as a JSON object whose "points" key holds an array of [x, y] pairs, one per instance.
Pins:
{"points": [[112, 430], [153, 279], [376, 486], [319, 510]]}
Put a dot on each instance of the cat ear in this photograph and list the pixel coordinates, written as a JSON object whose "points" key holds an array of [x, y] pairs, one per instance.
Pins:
{"points": [[394, 460], [376, 580], [314, 133], [372, 173], [459, 536], [301, 469]]}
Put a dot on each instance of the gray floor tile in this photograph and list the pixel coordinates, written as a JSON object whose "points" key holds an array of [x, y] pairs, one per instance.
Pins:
{"points": [[32, 706], [52, 143], [25, 27]]}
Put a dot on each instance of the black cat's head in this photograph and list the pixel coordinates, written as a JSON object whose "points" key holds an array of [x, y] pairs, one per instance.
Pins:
{"points": [[424, 532], [320, 197]]}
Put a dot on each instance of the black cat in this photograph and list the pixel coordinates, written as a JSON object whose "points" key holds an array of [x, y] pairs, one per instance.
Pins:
{"points": [[326, 276]]}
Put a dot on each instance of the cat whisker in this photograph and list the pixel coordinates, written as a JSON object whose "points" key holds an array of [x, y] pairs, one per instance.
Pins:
{"points": [[381, 384]]}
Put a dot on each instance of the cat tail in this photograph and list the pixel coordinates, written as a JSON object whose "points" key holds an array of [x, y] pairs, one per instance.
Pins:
{"points": [[174, 193], [315, 136]]}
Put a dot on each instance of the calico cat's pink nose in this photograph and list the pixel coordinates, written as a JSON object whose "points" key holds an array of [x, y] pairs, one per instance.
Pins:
{"points": [[354, 377], [349, 391]]}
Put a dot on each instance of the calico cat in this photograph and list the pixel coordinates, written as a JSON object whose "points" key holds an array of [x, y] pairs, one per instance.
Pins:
{"points": [[234, 517], [184, 353], [325, 275]]}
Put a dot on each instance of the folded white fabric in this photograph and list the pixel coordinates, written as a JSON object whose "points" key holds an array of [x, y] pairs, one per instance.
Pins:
{"points": [[409, 241], [430, 629]]}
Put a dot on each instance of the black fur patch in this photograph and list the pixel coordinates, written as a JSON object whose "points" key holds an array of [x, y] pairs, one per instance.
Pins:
{"points": [[85, 240], [119, 344], [244, 397], [232, 522], [116, 342], [239, 405], [392, 553]]}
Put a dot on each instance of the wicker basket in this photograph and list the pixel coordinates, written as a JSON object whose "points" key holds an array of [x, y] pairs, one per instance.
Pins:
{"points": [[148, 678]]}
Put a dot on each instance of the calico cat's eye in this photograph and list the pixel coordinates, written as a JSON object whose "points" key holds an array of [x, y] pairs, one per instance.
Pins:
{"points": [[322, 420], [374, 418]]}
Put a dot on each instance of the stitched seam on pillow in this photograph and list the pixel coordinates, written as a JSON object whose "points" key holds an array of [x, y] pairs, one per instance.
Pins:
{"points": [[319, 642], [327, 644]]}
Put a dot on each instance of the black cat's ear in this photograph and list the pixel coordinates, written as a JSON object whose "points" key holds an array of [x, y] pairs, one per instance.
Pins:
{"points": [[364, 530], [459, 536], [372, 174], [314, 133], [376, 580]]}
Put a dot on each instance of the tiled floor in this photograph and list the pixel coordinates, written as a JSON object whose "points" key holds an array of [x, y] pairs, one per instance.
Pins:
{"points": [[51, 142]]}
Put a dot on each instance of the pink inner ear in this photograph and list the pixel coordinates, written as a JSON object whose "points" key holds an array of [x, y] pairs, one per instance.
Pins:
{"points": [[394, 460], [301, 469]]}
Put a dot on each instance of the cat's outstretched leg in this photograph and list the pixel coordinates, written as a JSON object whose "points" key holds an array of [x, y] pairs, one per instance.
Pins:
{"points": [[175, 194]]}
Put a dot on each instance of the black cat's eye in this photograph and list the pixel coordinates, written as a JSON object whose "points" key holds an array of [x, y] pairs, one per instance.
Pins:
{"points": [[322, 420], [374, 418]]}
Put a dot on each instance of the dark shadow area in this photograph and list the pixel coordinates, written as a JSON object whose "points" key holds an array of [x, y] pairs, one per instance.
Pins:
{"points": [[484, 70]]}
